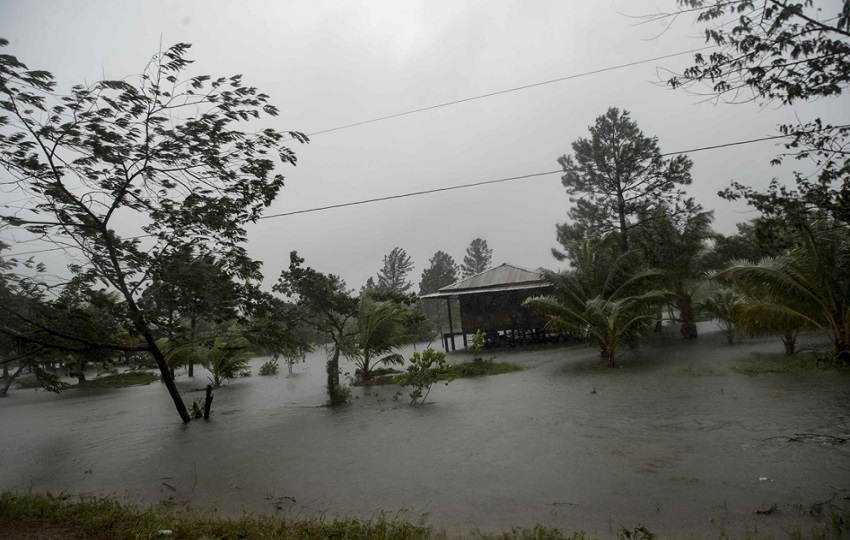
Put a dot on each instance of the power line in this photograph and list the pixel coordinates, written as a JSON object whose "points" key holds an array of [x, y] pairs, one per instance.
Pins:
{"points": [[509, 90], [411, 194], [482, 96], [508, 179], [457, 187]]}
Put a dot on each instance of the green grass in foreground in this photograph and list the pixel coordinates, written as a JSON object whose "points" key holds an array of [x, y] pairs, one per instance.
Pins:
{"points": [[48, 517], [101, 518], [121, 380], [780, 363]]}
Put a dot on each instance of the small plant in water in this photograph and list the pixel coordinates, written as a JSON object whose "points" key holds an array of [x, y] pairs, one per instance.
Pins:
{"points": [[340, 396], [197, 410], [269, 368], [424, 370], [477, 346], [767, 509], [638, 533], [292, 359]]}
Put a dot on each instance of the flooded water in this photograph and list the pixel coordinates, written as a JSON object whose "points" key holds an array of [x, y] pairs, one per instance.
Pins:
{"points": [[674, 440]]}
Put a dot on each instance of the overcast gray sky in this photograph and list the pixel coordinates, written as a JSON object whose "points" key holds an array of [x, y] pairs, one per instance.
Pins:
{"points": [[328, 64]]}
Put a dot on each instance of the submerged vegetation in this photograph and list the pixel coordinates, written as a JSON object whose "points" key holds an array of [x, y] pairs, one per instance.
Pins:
{"points": [[780, 363], [121, 380]]}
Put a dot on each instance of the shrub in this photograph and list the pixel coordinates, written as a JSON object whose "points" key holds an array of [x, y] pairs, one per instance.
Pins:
{"points": [[269, 368], [424, 370]]}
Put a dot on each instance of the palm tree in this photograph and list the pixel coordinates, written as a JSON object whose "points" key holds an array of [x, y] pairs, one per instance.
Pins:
{"points": [[226, 359], [381, 329], [809, 287], [726, 306], [179, 354], [608, 298]]}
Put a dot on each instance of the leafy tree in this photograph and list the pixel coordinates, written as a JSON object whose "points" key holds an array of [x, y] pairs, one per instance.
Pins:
{"points": [[165, 152], [614, 177], [738, 246], [608, 298], [191, 286], [381, 330], [393, 275], [677, 243], [20, 293], [478, 258], [88, 314], [809, 287], [772, 49], [323, 303], [442, 272], [777, 50]]}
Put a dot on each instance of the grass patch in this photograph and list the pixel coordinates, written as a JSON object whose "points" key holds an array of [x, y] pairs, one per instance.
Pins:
{"points": [[384, 376], [478, 369], [88, 517], [121, 380], [27, 515], [27, 382], [379, 377], [780, 363]]}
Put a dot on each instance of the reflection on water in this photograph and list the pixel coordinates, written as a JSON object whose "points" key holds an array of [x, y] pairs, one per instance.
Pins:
{"points": [[674, 440]]}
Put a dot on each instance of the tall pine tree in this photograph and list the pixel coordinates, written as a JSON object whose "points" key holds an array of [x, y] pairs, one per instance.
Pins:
{"points": [[478, 258]]}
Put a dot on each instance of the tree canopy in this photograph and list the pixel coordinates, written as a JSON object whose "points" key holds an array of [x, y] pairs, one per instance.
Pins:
{"points": [[441, 272], [478, 258], [809, 287], [609, 297], [777, 50], [393, 275], [678, 245], [323, 302], [615, 176], [124, 175]]}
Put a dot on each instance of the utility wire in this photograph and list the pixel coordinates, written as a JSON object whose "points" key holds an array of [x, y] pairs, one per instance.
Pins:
{"points": [[457, 187], [411, 194], [509, 90], [482, 96]]}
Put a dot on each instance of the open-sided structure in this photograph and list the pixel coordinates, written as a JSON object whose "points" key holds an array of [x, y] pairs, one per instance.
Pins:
{"points": [[492, 302]]}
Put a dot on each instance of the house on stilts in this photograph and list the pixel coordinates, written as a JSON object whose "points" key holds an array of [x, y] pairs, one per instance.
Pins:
{"points": [[492, 303]]}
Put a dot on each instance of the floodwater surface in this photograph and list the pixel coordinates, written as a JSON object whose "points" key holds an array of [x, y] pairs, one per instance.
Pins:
{"points": [[674, 440]]}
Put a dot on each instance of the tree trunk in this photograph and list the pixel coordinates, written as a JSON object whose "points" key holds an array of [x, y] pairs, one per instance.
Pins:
{"points": [[659, 320], [10, 379], [208, 402], [167, 378], [789, 339], [730, 332], [624, 231], [192, 337], [5, 370], [842, 350], [612, 356], [686, 315], [333, 377]]}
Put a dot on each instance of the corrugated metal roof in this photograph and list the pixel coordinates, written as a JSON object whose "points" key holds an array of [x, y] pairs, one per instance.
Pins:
{"points": [[502, 278]]}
